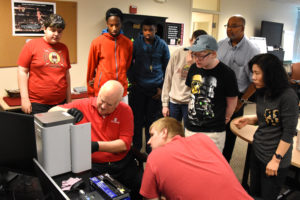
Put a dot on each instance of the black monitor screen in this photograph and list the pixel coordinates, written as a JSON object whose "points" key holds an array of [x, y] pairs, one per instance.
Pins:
{"points": [[50, 189], [272, 31], [17, 143]]}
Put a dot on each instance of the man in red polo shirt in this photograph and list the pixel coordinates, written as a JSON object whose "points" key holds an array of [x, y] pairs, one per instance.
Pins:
{"points": [[112, 131]]}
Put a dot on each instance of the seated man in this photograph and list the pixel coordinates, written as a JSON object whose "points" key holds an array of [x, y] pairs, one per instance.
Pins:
{"points": [[186, 168], [112, 131]]}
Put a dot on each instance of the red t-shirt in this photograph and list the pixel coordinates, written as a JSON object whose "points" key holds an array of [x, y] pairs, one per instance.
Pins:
{"points": [[117, 125], [48, 64], [190, 168]]}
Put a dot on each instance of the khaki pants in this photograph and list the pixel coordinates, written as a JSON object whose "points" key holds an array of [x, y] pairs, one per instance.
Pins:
{"points": [[217, 137]]}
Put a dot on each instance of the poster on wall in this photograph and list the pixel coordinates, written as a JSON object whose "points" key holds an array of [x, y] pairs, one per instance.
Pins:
{"points": [[174, 33], [27, 16]]}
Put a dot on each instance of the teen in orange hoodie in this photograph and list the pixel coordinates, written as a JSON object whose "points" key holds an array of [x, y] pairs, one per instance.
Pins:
{"points": [[110, 55]]}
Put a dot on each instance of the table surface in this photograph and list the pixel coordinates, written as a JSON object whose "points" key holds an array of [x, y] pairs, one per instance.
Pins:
{"points": [[246, 133], [6, 107]]}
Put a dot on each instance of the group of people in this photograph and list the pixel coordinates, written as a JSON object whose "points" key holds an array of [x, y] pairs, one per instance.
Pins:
{"points": [[200, 84]]}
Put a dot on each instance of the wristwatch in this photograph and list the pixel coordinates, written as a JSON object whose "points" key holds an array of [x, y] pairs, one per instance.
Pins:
{"points": [[278, 156]]}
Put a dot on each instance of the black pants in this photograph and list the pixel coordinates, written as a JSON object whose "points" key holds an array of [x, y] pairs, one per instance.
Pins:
{"points": [[126, 171], [261, 185], [41, 108], [230, 136], [145, 110]]}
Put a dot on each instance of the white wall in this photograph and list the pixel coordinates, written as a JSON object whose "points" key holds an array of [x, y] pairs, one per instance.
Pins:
{"points": [[257, 10], [91, 21]]}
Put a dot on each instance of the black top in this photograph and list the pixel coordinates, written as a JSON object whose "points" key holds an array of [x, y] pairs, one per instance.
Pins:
{"points": [[209, 89]]}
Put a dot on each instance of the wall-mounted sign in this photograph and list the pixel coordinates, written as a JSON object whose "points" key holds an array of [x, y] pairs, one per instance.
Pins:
{"points": [[174, 33]]}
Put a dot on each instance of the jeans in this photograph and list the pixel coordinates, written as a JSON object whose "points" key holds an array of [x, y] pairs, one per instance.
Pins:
{"points": [[178, 111]]}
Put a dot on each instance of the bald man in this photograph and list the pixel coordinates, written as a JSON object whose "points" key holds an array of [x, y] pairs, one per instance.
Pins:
{"points": [[112, 131], [236, 51]]}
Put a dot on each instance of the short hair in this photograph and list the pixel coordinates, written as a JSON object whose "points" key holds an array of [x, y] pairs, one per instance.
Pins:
{"points": [[241, 18], [114, 12], [198, 32], [173, 126], [149, 22], [55, 21], [274, 75]]}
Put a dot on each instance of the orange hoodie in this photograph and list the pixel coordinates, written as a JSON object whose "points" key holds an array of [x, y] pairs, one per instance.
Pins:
{"points": [[109, 58]]}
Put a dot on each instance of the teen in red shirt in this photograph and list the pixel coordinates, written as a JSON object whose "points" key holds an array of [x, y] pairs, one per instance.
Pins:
{"points": [[43, 72]]}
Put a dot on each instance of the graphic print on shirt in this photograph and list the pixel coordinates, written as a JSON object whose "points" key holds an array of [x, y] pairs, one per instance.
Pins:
{"points": [[272, 117], [53, 58], [184, 71], [200, 105]]}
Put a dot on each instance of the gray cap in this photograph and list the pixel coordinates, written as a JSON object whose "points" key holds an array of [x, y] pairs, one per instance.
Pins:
{"points": [[202, 43]]}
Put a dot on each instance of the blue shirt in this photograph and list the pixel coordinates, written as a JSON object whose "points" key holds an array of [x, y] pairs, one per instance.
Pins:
{"points": [[237, 59]]}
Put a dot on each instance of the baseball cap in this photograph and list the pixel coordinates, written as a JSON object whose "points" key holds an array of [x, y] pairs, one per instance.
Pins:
{"points": [[202, 43]]}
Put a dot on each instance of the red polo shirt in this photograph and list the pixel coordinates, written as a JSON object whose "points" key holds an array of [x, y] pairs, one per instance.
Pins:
{"points": [[117, 125]]}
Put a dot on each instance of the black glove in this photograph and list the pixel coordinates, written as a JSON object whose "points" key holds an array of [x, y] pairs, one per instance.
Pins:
{"points": [[95, 147], [77, 114]]}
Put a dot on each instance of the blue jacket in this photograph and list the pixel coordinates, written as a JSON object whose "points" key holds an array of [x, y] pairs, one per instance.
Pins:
{"points": [[149, 63]]}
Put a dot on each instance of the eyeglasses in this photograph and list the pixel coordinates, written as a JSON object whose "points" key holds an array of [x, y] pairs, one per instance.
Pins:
{"points": [[200, 57], [232, 26]]}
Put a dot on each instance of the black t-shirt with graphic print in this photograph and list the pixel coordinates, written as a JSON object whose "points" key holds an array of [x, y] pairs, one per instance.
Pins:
{"points": [[209, 89]]}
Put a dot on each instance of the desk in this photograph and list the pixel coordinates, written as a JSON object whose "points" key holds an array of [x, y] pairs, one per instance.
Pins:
{"points": [[5, 107], [85, 177], [246, 133]]}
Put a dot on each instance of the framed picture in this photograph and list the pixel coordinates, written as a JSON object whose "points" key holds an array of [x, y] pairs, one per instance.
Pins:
{"points": [[27, 17]]}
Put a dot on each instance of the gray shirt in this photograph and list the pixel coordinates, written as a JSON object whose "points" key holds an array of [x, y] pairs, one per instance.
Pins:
{"points": [[237, 59], [277, 120]]}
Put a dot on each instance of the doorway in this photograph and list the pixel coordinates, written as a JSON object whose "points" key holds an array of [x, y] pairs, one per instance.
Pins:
{"points": [[207, 22]]}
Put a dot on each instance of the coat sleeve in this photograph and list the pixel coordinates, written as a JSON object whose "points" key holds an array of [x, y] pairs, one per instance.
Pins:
{"points": [[93, 61], [168, 81]]}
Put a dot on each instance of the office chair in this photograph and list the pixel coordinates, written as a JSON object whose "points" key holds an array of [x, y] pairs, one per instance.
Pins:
{"points": [[295, 77]]}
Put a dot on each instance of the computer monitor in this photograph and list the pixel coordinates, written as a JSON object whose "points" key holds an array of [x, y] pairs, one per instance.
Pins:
{"points": [[17, 143], [272, 31], [50, 189]]}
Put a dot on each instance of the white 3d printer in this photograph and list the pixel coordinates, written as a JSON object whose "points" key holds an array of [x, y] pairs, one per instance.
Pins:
{"points": [[61, 146]]}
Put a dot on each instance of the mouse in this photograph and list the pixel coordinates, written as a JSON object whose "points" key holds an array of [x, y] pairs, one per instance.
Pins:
{"points": [[78, 185]]}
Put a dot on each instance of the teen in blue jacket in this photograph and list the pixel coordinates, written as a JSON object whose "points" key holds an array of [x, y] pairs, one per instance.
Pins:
{"points": [[150, 59]]}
